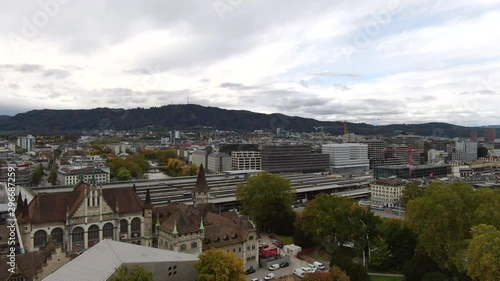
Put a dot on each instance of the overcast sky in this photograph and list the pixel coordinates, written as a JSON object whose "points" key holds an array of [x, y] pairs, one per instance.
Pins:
{"points": [[375, 61]]}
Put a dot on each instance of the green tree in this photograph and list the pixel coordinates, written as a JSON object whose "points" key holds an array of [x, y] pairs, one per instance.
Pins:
{"points": [[123, 174], [137, 274], [401, 241], [410, 192], [419, 265], [318, 276], [338, 274], [53, 174], [442, 219], [483, 253], [37, 174], [435, 276], [347, 222], [266, 198], [300, 237], [218, 265], [380, 257], [355, 271]]}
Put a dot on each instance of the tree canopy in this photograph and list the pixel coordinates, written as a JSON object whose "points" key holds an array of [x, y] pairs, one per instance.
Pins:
{"points": [[266, 198], [137, 274], [483, 253], [218, 265]]}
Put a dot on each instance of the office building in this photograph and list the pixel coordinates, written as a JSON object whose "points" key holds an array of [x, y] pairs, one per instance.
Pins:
{"points": [[347, 157], [246, 160], [437, 156], [408, 139], [23, 172], [293, 158], [218, 162], [27, 142], [403, 172], [473, 136], [464, 151], [200, 157], [375, 151], [490, 135], [72, 176]]}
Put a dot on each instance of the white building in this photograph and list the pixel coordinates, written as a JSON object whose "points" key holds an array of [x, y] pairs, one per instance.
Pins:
{"points": [[387, 192], [246, 160], [436, 156], [27, 142], [347, 156], [199, 157], [219, 162], [464, 151], [69, 176]]}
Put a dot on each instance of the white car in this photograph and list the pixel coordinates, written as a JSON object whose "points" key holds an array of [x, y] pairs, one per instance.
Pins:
{"points": [[274, 267], [312, 266], [319, 265], [256, 279], [269, 276], [307, 269], [299, 272]]}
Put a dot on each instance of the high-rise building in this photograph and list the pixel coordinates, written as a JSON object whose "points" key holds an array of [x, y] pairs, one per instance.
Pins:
{"points": [[408, 139], [246, 160], [27, 142], [490, 135], [347, 156], [375, 151], [473, 136], [292, 158]]}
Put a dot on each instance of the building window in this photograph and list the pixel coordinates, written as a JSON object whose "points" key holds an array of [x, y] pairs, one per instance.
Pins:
{"points": [[57, 235], [136, 227], [183, 247], [250, 237], [107, 231], [194, 245], [253, 247], [93, 235], [251, 258], [123, 226], [40, 238], [77, 237]]}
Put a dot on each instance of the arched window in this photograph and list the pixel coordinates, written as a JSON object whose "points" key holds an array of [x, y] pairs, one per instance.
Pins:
{"points": [[135, 226], [250, 237], [107, 231], [77, 238], [57, 235], [194, 245], [123, 226], [183, 247], [40, 238], [93, 235]]}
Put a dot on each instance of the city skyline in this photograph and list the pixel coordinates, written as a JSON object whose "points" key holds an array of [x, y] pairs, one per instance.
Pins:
{"points": [[382, 62]]}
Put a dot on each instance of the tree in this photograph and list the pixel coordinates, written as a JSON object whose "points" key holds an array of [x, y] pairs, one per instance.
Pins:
{"points": [[318, 276], [401, 241], [380, 258], [37, 174], [419, 265], [266, 198], [347, 222], [53, 174], [300, 237], [338, 274], [410, 192], [137, 274], [435, 276], [218, 265], [483, 253], [123, 174], [355, 271], [442, 219]]}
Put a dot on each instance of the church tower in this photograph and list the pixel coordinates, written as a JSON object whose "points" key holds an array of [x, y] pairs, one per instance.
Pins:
{"points": [[201, 191]]}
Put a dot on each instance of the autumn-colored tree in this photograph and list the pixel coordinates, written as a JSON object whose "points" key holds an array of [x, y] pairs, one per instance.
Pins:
{"points": [[266, 198], [318, 276], [483, 253], [218, 265], [338, 274]]}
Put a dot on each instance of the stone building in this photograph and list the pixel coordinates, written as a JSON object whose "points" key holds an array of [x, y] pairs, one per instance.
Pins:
{"points": [[193, 229], [78, 219]]}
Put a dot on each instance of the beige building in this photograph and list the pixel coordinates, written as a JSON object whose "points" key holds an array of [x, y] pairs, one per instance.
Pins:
{"points": [[387, 192], [246, 160], [219, 162]]}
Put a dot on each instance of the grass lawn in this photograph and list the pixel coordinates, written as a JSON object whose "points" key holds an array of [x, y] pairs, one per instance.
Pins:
{"points": [[285, 239], [385, 278]]}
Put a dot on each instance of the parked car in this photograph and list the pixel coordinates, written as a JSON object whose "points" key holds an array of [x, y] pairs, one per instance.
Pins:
{"points": [[269, 276], [312, 266], [274, 267], [307, 269], [319, 265], [250, 270], [256, 279], [275, 241], [299, 272], [284, 264]]}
